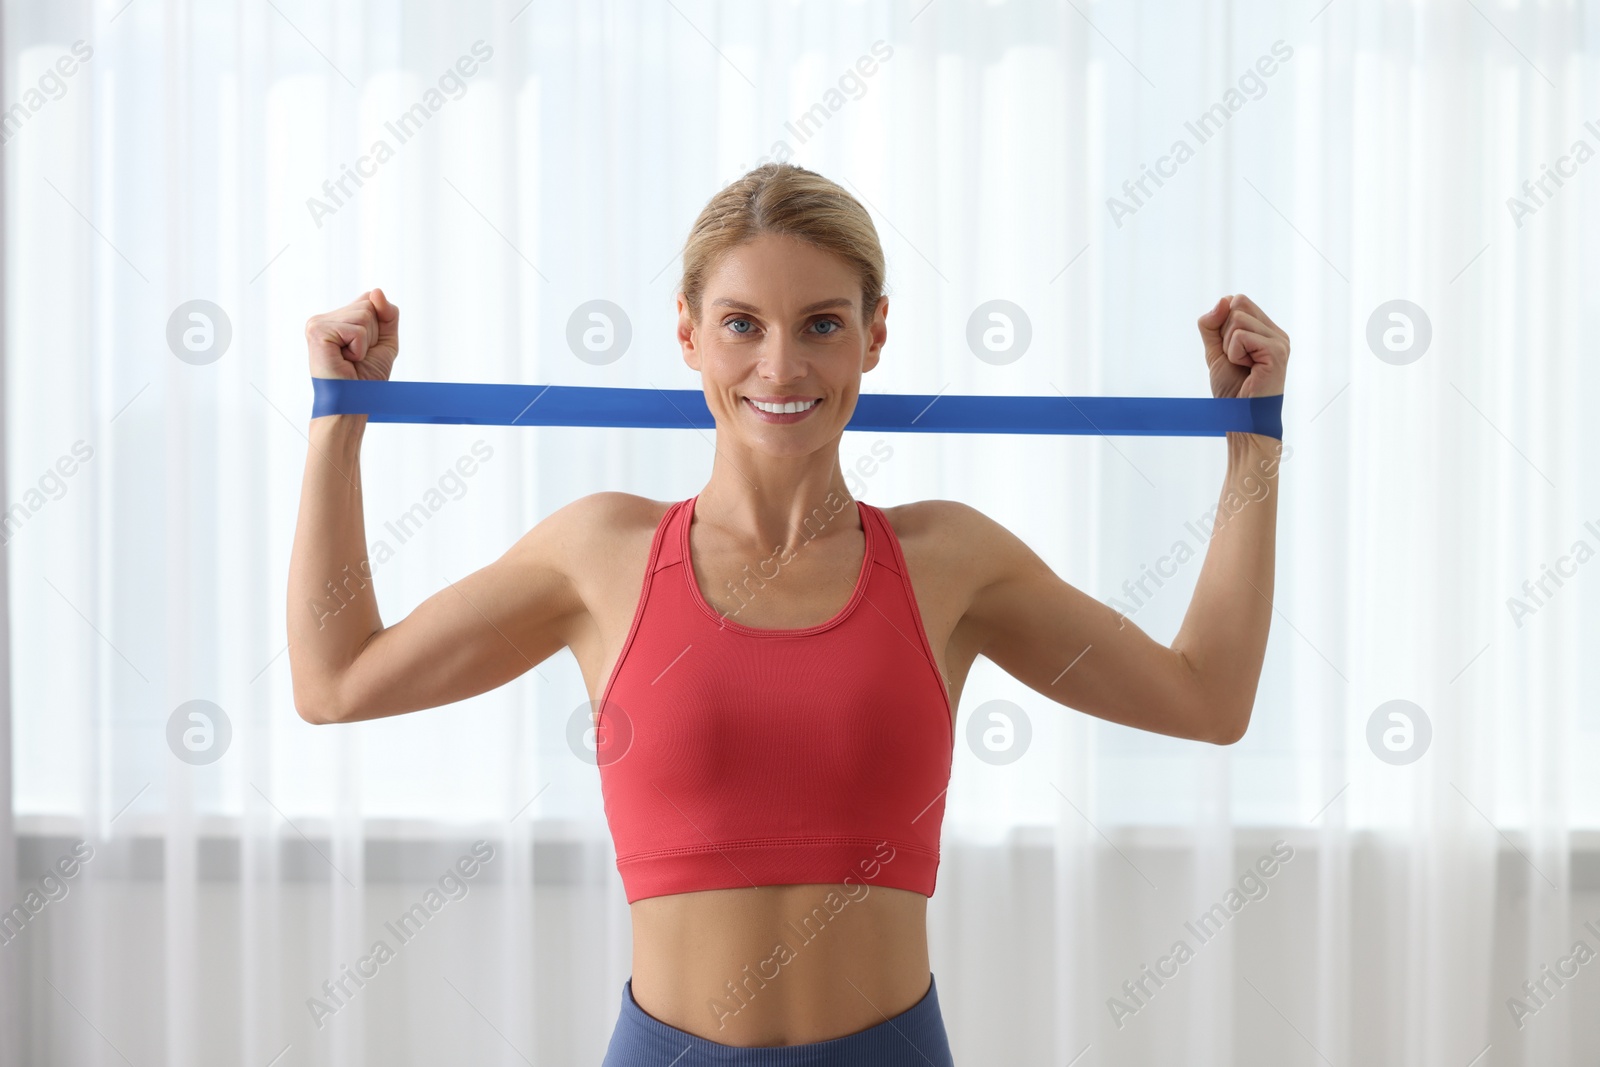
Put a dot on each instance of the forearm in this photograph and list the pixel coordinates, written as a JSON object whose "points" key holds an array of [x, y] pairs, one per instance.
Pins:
{"points": [[1224, 633], [332, 607]]}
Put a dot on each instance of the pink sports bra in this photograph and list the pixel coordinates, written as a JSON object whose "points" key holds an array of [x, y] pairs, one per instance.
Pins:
{"points": [[735, 756]]}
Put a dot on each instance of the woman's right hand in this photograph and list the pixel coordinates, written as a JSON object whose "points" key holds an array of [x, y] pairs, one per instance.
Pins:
{"points": [[359, 340]]}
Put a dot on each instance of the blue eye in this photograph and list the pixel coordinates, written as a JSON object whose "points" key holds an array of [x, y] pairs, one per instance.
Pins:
{"points": [[835, 323]]}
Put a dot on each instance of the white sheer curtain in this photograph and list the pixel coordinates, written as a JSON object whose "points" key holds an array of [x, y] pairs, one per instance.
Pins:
{"points": [[1356, 153]]}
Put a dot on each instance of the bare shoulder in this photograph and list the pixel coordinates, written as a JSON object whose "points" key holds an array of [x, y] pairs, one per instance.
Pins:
{"points": [[598, 512], [956, 557], [949, 537], [598, 527], [578, 561], [947, 525]]}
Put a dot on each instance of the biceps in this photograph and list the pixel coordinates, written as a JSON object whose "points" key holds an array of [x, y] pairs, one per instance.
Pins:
{"points": [[1068, 646]]}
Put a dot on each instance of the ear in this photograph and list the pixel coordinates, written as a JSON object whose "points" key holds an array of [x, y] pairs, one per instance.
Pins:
{"points": [[878, 332], [686, 335]]}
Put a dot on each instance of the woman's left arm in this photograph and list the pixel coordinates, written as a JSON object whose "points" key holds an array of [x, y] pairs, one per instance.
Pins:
{"points": [[1079, 652], [1224, 632]]}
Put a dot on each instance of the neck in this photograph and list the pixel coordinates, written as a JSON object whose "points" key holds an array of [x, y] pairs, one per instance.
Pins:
{"points": [[777, 501]]}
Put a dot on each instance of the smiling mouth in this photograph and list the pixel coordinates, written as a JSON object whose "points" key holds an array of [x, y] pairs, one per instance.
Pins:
{"points": [[791, 407]]}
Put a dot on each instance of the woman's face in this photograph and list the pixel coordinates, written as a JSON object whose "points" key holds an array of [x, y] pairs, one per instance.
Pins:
{"points": [[780, 321]]}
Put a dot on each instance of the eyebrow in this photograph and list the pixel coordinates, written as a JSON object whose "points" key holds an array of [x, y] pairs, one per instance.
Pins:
{"points": [[820, 305]]}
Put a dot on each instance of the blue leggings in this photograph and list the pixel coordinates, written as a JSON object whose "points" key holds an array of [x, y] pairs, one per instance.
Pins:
{"points": [[914, 1038]]}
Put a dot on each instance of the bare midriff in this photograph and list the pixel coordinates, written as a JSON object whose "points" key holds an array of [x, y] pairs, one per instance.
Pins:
{"points": [[780, 965]]}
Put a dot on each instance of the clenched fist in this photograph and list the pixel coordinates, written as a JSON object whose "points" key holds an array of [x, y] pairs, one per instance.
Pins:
{"points": [[359, 340], [1246, 352]]}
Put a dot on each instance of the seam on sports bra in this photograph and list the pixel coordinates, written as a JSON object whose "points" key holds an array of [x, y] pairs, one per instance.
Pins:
{"points": [[916, 618], [754, 842], [656, 541]]}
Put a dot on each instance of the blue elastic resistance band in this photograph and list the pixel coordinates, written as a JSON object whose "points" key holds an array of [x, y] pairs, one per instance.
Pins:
{"points": [[573, 405]]}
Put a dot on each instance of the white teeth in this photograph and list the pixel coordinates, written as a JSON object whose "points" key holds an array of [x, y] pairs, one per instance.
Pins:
{"points": [[784, 409]]}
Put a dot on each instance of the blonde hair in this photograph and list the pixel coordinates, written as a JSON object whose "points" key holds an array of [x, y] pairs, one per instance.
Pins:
{"points": [[781, 198]]}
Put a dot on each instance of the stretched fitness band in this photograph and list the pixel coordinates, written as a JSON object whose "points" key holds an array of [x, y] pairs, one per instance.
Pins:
{"points": [[576, 405]]}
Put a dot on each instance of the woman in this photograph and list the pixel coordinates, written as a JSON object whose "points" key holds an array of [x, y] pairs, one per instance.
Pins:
{"points": [[775, 705]]}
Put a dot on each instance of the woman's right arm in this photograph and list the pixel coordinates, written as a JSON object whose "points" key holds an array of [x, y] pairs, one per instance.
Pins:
{"points": [[473, 636]]}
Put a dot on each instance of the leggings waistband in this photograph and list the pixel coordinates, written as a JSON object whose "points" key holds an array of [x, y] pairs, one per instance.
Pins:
{"points": [[914, 1038]]}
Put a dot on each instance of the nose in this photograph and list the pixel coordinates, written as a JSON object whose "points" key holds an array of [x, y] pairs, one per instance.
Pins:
{"points": [[781, 360]]}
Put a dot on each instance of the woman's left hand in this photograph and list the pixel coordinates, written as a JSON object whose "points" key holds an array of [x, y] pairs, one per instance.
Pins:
{"points": [[1246, 352]]}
